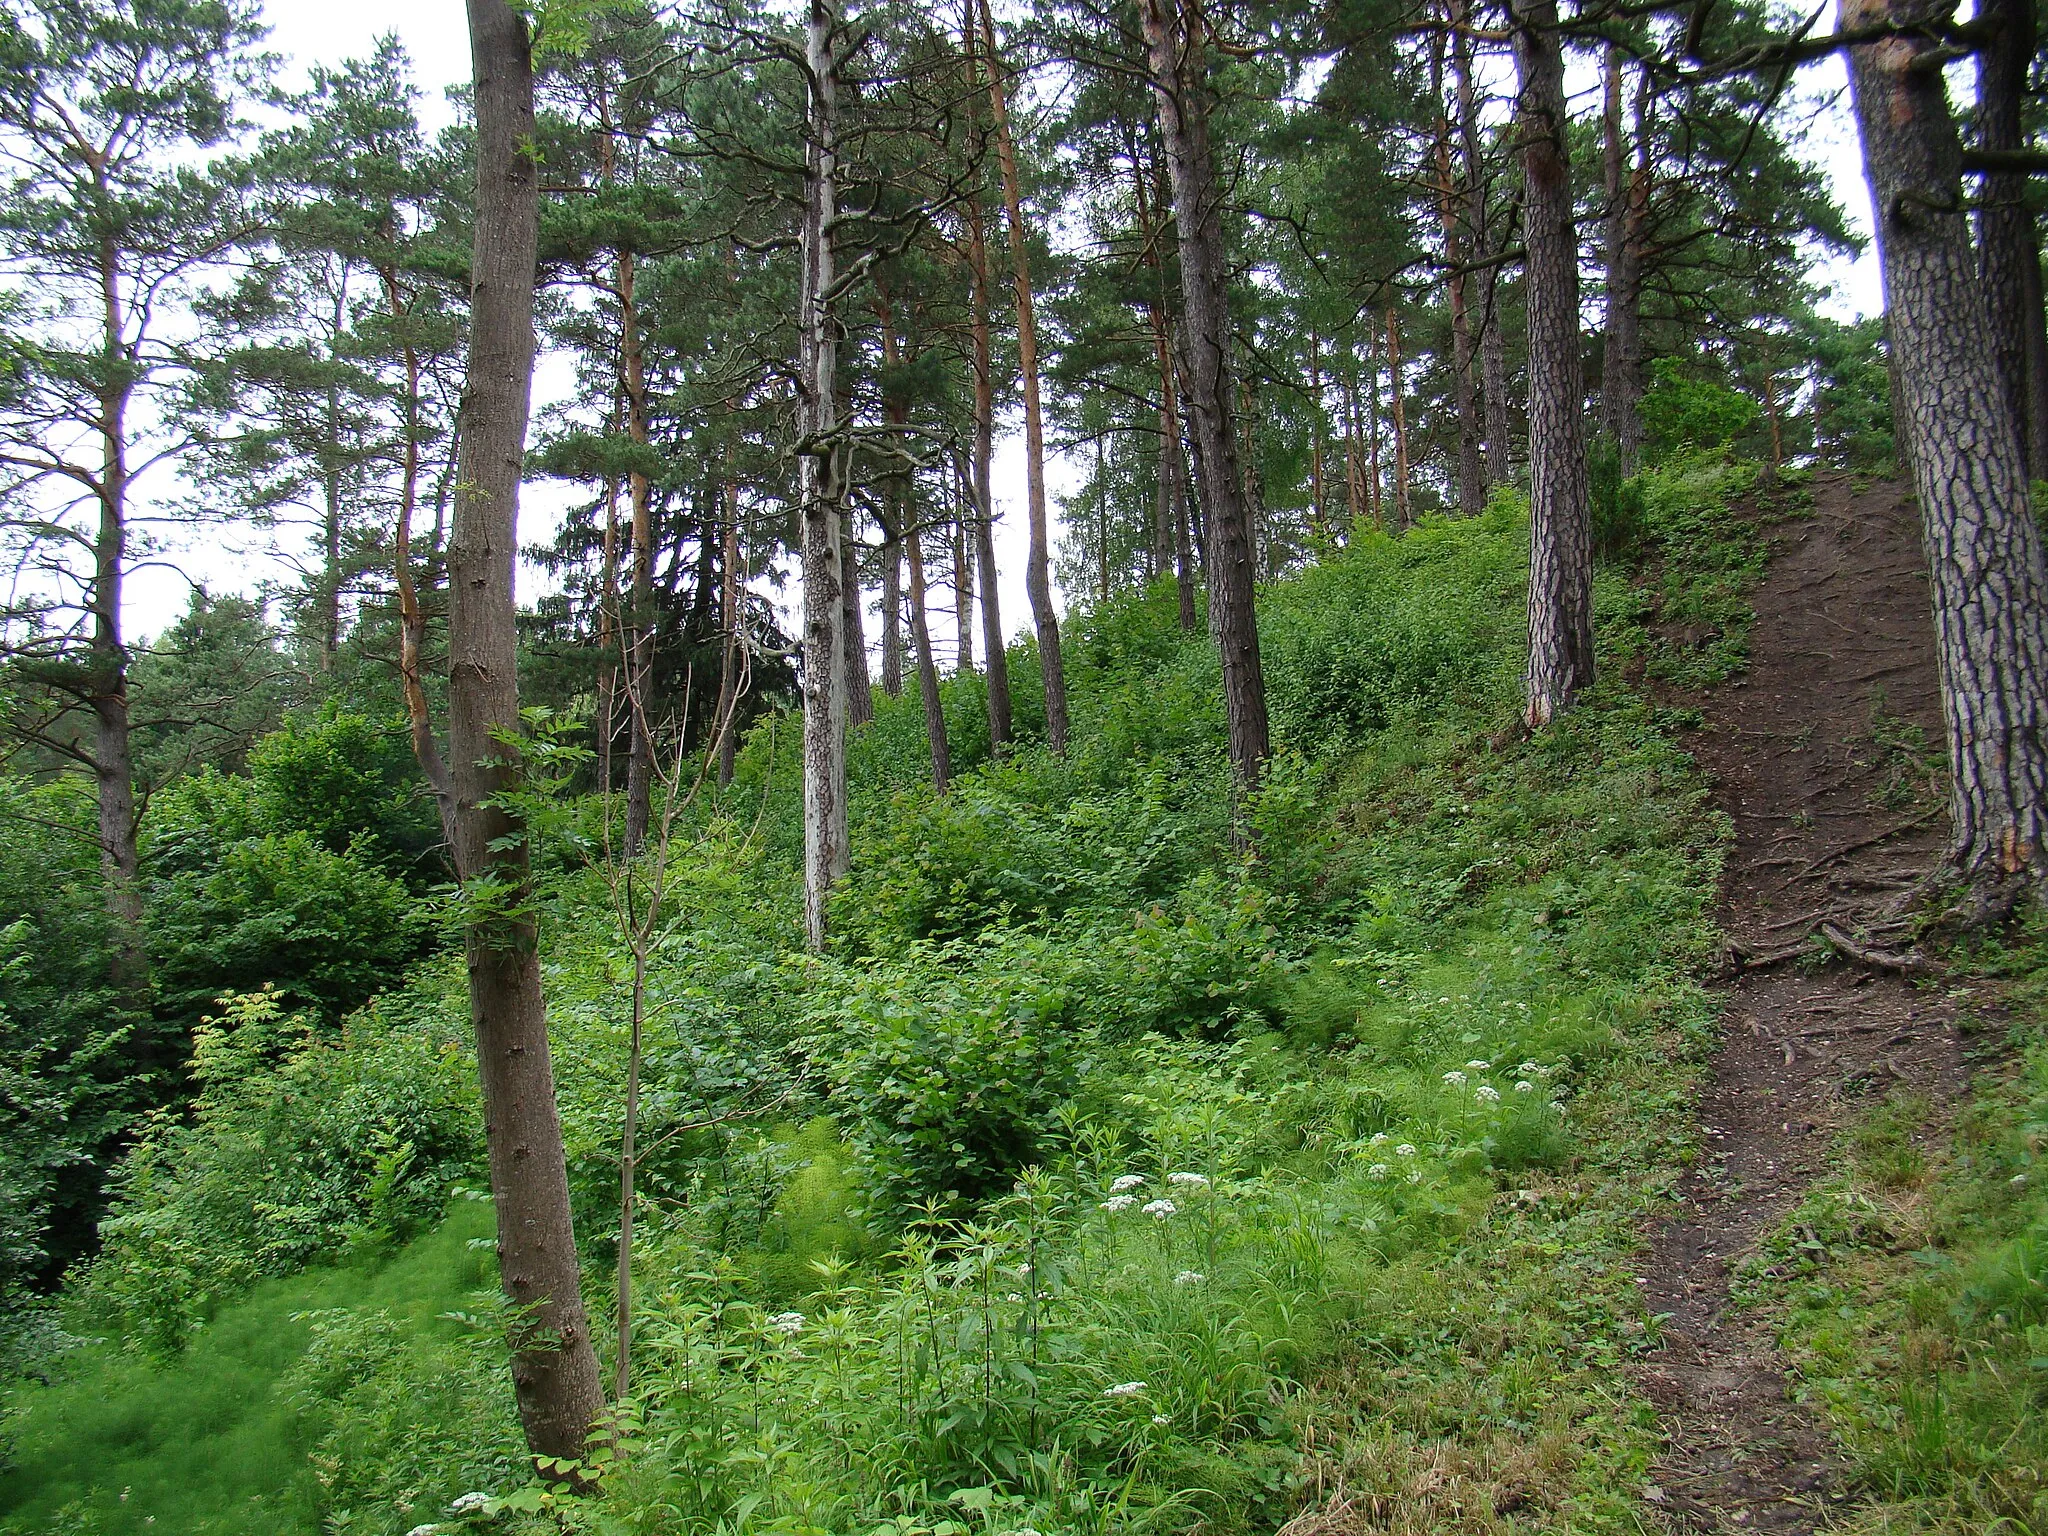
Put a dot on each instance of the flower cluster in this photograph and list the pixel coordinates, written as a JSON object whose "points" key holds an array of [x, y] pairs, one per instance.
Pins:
{"points": [[1191, 1180], [789, 1324], [1189, 1277], [1159, 1210], [1124, 1181], [1124, 1389], [1119, 1203]]}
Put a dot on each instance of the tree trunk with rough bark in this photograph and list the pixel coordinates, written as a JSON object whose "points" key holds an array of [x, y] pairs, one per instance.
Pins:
{"points": [[1038, 566], [963, 586], [112, 757], [732, 583], [822, 471], [2009, 244], [1493, 364], [1621, 363], [554, 1368], [1398, 410], [1985, 560], [639, 625], [979, 300], [927, 664], [1560, 512], [1179, 77], [1451, 215], [892, 604]]}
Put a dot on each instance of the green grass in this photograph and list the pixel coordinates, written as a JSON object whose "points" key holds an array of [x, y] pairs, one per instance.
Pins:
{"points": [[1406, 1274], [214, 1443]]}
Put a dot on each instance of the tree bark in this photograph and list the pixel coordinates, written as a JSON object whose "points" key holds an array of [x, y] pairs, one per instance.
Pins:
{"points": [[1038, 568], [1317, 427], [1398, 410], [554, 1368], [1451, 215], [892, 604], [1621, 363], [1986, 568], [639, 625], [822, 487], [992, 638], [860, 694], [963, 586], [1179, 78], [1560, 514], [927, 665], [113, 761], [729, 671], [1493, 363], [2008, 239]]}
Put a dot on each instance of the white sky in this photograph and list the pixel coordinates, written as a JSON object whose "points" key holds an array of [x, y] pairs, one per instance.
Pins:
{"points": [[435, 34]]}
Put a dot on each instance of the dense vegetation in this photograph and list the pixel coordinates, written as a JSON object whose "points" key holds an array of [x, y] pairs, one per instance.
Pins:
{"points": [[1102, 1174]]}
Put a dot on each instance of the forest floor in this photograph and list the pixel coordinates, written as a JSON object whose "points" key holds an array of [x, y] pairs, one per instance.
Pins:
{"points": [[1825, 754]]}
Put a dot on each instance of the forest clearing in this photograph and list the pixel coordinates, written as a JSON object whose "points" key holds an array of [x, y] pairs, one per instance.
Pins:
{"points": [[1472, 959]]}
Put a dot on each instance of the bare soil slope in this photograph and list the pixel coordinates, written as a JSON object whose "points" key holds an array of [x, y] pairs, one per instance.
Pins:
{"points": [[1820, 756]]}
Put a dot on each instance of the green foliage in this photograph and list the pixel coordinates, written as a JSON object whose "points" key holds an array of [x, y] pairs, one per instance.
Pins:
{"points": [[77, 1062], [1070, 1190], [299, 1147], [336, 1379], [1685, 413], [1913, 1284], [1621, 515]]}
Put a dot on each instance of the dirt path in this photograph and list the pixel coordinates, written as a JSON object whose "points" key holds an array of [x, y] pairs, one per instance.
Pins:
{"points": [[1812, 754]]}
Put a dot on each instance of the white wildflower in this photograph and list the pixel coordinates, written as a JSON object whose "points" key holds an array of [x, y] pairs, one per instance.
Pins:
{"points": [[1193, 1180], [1380, 1139], [1189, 1277], [790, 1323], [1525, 1086], [1160, 1418], [1415, 1177], [1406, 1149], [1124, 1181], [1479, 1066], [1015, 1297], [423, 1530], [1455, 1079], [1376, 1171], [1159, 1210], [1119, 1202], [1124, 1389], [469, 1504], [1486, 1095]]}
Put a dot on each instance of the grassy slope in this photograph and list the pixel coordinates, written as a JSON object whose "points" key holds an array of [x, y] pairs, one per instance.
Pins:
{"points": [[216, 1443], [1432, 895]]}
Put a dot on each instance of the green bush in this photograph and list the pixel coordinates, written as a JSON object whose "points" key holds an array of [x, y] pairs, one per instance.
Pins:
{"points": [[298, 1148]]}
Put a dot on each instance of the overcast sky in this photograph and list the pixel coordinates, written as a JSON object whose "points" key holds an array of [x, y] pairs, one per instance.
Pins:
{"points": [[434, 32]]}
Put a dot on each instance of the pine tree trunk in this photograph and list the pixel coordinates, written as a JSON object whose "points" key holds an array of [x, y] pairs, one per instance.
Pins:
{"points": [[1621, 366], [927, 665], [892, 603], [113, 762], [732, 581], [1560, 514], [822, 472], [1984, 551], [2009, 242], [1354, 460], [1038, 566], [979, 285], [1399, 412], [554, 1369], [1316, 428], [639, 624], [1493, 357], [963, 585], [1450, 214], [1180, 86], [860, 692], [1372, 429]]}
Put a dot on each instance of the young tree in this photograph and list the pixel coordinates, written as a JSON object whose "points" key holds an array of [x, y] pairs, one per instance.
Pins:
{"points": [[1179, 78], [554, 1367], [104, 106], [1560, 511], [1038, 568], [2008, 239], [1984, 549]]}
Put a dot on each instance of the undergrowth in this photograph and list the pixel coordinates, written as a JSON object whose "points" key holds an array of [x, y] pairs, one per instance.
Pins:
{"points": [[1914, 1286], [1103, 1175]]}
